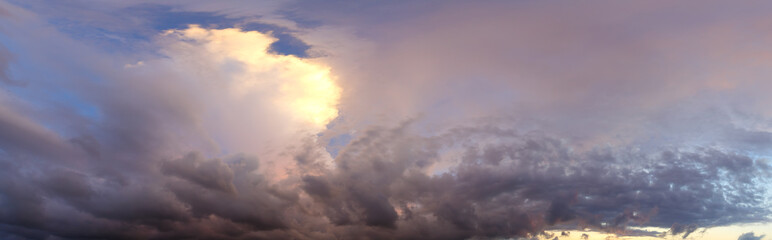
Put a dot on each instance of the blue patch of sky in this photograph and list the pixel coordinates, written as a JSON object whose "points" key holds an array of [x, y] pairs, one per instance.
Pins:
{"points": [[122, 39], [79, 105], [337, 143], [162, 17], [147, 20], [54, 99], [68, 101], [287, 44], [108, 40], [40, 90]]}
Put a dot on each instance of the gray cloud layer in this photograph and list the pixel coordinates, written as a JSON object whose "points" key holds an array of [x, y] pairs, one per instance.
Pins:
{"points": [[521, 183], [514, 186], [750, 236]]}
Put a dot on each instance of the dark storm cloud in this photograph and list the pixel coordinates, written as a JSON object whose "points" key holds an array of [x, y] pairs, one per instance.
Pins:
{"points": [[520, 184], [5, 60], [245, 198], [19, 136], [750, 236], [121, 192], [212, 174], [505, 184], [686, 230]]}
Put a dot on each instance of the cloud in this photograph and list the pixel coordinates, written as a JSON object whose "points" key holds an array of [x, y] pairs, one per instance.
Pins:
{"points": [[305, 88], [129, 154], [518, 184], [750, 236], [686, 230], [582, 71], [239, 67], [511, 132], [213, 174], [5, 60]]}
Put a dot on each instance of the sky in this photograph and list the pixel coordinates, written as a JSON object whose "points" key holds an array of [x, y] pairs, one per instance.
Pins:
{"points": [[524, 120]]}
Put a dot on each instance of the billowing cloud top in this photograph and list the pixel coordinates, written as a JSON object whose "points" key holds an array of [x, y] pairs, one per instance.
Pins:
{"points": [[384, 120]]}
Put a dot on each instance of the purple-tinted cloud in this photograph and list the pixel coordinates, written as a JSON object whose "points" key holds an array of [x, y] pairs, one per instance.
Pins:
{"points": [[447, 120]]}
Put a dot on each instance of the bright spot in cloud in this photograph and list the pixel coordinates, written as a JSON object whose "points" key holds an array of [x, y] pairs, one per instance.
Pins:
{"points": [[304, 90]]}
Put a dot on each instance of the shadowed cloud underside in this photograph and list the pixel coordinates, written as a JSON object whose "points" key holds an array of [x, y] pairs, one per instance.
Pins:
{"points": [[384, 120]]}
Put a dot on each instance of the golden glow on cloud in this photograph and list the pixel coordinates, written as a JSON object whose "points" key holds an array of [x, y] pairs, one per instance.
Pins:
{"points": [[302, 89], [714, 233], [314, 95]]}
